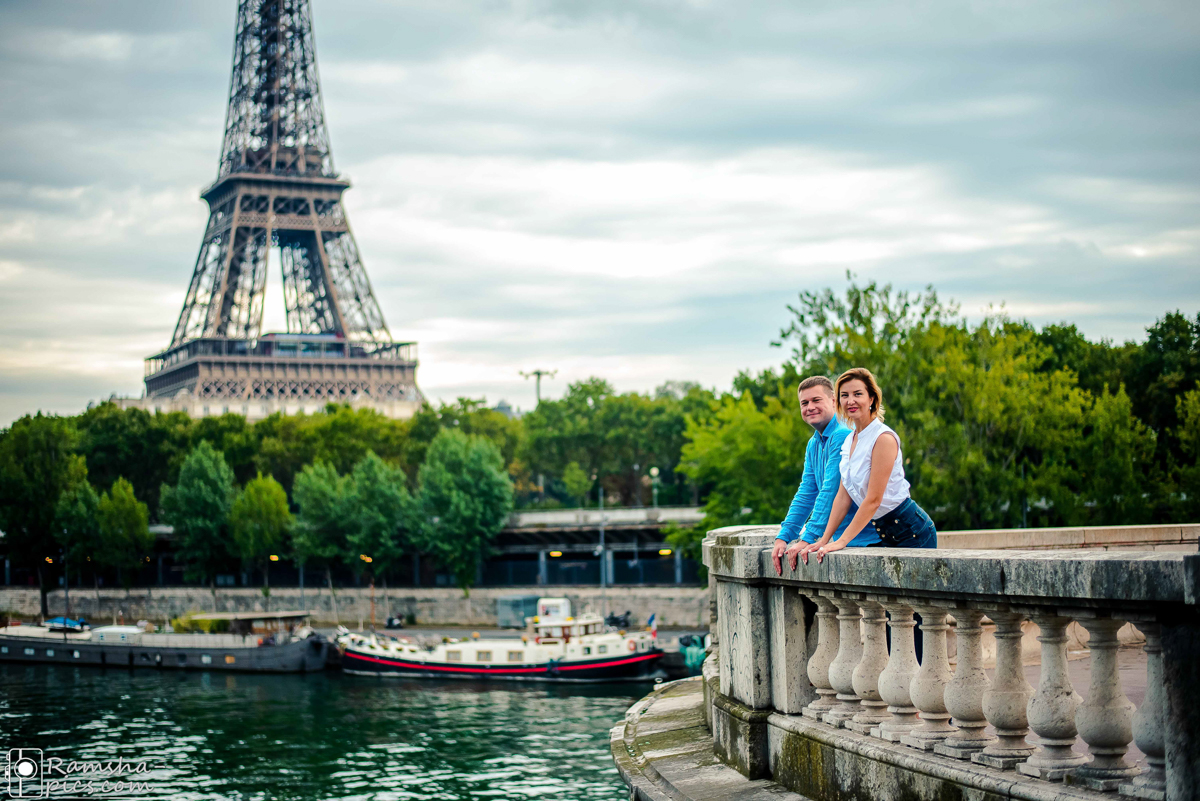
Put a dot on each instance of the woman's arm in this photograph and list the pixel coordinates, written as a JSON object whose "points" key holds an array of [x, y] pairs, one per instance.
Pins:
{"points": [[837, 513], [883, 458]]}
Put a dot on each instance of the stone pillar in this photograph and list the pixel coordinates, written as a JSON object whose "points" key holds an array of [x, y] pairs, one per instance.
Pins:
{"points": [[543, 577], [896, 678], [1004, 703], [1150, 722], [745, 645], [1106, 721], [928, 689], [678, 566], [822, 658], [416, 560], [790, 689], [1180, 641], [865, 679], [964, 693], [841, 670], [1051, 711]]}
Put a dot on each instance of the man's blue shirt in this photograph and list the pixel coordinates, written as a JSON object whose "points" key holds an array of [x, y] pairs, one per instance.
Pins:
{"points": [[818, 487]]}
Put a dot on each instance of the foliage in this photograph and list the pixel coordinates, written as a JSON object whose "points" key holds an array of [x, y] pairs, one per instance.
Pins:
{"points": [[322, 500], [259, 521], [187, 623], [464, 502], [198, 507], [125, 538], [381, 515], [576, 481], [77, 518], [37, 463]]}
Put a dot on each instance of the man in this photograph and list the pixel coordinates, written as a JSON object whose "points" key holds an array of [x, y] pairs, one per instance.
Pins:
{"points": [[809, 513]]}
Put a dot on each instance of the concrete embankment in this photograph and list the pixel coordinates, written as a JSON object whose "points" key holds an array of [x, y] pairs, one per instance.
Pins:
{"points": [[674, 606]]}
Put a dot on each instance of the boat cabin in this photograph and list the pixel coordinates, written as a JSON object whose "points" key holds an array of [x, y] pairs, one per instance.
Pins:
{"points": [[257, 622], [553, 623]]}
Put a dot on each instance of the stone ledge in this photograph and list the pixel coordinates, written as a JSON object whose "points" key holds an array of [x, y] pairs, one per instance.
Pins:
{"points": [[664, 752]]}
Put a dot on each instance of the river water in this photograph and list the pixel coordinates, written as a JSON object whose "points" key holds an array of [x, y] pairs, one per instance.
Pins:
{"points": [[322, 736]]}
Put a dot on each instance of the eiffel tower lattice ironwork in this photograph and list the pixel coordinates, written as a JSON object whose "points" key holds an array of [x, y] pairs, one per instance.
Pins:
{"points": [[277, 192]]}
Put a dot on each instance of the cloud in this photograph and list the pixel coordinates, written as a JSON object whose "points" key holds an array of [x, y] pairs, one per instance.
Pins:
{"points": [[632, 190]]}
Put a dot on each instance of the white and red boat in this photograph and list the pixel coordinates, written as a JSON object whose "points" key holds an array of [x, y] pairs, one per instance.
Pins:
{"points": [[555, 647]]}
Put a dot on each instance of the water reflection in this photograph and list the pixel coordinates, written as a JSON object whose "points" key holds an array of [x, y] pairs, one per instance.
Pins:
{"points": [[324, 735]]}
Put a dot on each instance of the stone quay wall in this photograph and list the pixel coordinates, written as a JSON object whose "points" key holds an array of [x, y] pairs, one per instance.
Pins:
{"points": [[674, 606], [813, 686]]}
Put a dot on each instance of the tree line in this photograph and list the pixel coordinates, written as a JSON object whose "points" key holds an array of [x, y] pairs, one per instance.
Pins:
{"points": [[1003, 424]]}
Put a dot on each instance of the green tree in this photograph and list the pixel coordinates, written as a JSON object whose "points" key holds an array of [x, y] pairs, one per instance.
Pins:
{"points": [[259, 522], [125, 538], [1188, 409], [577, 482], [77, 522], [381, 514], [322, 501], [37, 464], [464, 501], [198, 508], [147, 449]]}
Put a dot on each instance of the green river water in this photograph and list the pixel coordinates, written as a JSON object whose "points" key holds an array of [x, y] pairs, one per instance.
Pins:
{"points": [[322, 736]]}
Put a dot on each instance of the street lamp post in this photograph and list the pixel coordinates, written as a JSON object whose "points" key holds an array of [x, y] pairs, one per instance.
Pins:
{"points": [[603, 556]]}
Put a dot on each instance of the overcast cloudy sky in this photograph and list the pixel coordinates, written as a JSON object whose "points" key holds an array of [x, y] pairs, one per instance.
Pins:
{"points": [[626, 189]]}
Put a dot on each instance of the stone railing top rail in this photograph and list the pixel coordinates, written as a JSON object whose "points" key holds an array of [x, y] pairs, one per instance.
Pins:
{"points": [[1080, 578]]}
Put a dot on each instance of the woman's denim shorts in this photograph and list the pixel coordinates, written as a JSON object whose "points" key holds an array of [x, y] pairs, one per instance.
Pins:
{"points": [[906, 526]]}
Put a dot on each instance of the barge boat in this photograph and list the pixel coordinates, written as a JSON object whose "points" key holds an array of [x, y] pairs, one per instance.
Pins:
{"points": [[556, 647], [269, 642]]}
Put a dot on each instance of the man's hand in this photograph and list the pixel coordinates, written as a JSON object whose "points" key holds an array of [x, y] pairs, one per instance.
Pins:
{"points": [[795, 550], [777, 556]]}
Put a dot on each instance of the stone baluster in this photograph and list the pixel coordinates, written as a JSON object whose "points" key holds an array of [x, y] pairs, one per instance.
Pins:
{"points": [[822, 657], [873, 710], [841, 670], [1051, 711], [928, 689], [1150, 722], [1005, 701], [896, 678], [964, 693], [1105, 722]]}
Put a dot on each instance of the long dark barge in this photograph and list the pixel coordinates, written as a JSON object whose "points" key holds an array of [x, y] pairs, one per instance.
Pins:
{"points": [[258, 642]]}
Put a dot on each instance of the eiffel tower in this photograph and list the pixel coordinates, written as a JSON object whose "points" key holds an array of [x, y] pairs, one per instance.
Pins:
{"points": [[277, 193]]}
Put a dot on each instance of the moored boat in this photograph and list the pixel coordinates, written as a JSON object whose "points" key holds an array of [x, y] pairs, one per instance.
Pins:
{"points": [[556, 647], [272, 642]]}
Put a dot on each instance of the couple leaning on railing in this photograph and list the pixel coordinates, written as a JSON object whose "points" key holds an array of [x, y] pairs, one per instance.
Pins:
{"points": [[853, 491]]}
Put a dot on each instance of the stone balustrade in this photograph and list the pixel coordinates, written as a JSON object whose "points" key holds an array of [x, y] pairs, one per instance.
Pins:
{"points": [[809, 693]]}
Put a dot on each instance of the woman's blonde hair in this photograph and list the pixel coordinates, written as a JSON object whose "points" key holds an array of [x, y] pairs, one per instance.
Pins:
{"points": [[864, 375]]}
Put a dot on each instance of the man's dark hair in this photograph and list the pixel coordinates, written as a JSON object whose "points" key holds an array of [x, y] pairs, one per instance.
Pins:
{"points": [[817, 381]]}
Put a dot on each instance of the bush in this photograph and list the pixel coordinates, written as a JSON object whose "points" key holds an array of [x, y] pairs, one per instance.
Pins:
{"points": [[187, 623]]}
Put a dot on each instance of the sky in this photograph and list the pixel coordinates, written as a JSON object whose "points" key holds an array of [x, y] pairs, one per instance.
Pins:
{"points": [[633, 190]]}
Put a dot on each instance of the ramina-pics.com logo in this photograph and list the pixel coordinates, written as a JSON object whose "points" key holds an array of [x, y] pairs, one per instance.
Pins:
{"points": [[23, 770]]}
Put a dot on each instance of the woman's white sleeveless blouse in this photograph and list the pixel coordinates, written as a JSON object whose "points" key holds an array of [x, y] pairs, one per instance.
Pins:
{"points": [[856, 469]]}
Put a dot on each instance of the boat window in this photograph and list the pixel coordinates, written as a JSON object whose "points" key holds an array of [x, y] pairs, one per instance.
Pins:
{"points": [[516, 656], [49, 652], [3, 649], [483, 656], [587, 650], [28, 652], [229, 660], [603, 649], [75, 654], [205, 659], [454, 656]]}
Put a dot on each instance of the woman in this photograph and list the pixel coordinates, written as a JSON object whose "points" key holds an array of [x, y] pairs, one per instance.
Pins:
{"points": [[872, 472]]}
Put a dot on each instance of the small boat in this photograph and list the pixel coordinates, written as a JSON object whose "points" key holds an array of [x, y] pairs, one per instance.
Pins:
{"points": [[271, 642], [556, 647]]}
